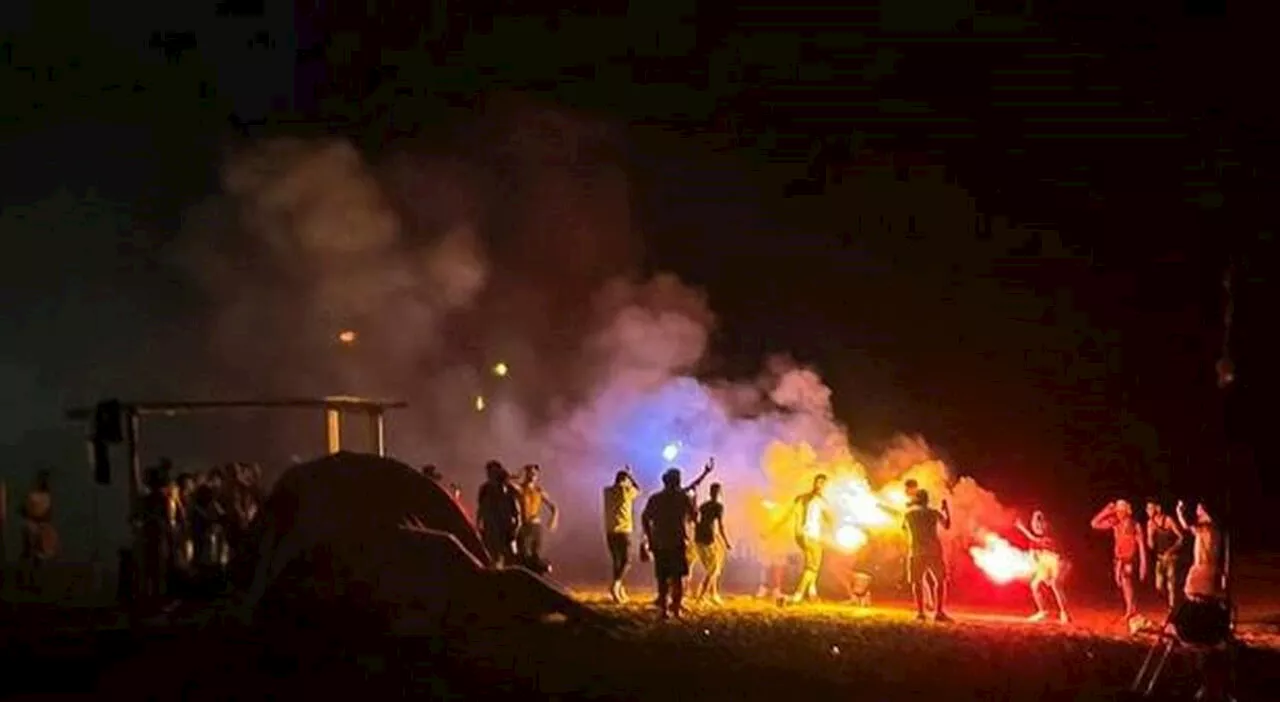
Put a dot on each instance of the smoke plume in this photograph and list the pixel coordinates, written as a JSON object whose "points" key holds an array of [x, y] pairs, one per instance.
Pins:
{"points": [[513, 247]]}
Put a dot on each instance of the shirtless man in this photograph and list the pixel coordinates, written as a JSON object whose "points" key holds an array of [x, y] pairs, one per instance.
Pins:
{"points": [[1204, 580], [810, 516], [1044, 550], [1164, 540], [1129, 549]]}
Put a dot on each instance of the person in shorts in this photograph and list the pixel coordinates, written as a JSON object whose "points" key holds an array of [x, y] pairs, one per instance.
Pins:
{"points": [[926, 567], [1129, 549], [712, 544], [1164, 540], [666, 520]]}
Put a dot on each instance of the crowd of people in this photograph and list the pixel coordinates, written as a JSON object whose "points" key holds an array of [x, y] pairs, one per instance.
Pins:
{"points": [[194, 530], [677, 533]]}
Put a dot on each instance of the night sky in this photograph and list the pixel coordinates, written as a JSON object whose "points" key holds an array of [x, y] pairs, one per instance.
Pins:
{"points": [[1006, 232]]}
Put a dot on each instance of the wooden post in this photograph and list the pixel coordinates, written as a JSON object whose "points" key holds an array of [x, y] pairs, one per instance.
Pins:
{"points": [[378, 428], [333, 428]]}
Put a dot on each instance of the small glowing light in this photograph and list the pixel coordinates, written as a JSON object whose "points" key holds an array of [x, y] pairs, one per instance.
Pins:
{"points": [[480, 403], [670, 451], [347, 336], [500, 369], [835, 650], [706, 632]]}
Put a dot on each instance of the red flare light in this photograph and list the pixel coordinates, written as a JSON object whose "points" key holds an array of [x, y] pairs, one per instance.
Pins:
{"points": [[1000, 560]]}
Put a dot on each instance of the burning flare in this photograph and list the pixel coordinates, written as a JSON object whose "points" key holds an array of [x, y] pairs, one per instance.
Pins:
{"points": [[1001, 561]]}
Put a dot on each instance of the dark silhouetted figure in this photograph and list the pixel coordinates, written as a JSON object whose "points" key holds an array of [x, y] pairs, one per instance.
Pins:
{"points": [[498, 514], [666, 520]]}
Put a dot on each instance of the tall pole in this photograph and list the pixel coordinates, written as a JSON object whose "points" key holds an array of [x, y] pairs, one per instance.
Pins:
{"points": [[333, 429], [378, 428]]}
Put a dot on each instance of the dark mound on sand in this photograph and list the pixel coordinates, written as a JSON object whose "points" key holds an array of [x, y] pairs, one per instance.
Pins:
{"points": [[353, 541]]}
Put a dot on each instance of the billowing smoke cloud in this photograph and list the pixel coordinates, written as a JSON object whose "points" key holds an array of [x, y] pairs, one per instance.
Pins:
{"points": [[513, 248]]}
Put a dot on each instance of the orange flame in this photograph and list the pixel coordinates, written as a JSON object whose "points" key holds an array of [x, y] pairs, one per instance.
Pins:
{"points": [[1001, 561]]}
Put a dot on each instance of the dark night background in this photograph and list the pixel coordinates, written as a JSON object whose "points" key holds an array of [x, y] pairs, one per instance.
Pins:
{"points": [[1057, 340]]}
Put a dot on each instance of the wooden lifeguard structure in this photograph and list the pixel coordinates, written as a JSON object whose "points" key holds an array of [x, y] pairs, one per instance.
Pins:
{"points": [[116, 422]]}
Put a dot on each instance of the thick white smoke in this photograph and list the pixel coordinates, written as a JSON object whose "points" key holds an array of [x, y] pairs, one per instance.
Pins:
{"points": [[447, 264]]}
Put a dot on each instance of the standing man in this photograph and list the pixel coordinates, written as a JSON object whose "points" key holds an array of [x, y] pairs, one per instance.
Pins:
{"points": [[1048, 563], [619, 505], [1204, 579], [498, 515], [529, 536], [712, 544], [926, 567], [810, 516], [1164, 539], [666, 519], [39, 538], [1129, 549]]}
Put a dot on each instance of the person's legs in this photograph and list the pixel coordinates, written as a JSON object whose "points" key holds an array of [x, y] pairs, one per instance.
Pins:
{"points": [[1056, 587], [662, 574], [619, 553], [681, 570], [915, 576], [812, 552], [1038, 598], [715, 569], [1126, 589], [939, 569]]}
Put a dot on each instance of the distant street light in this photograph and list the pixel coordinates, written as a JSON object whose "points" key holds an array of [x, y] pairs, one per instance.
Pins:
{"points": [[347, 337], [500, 369]]}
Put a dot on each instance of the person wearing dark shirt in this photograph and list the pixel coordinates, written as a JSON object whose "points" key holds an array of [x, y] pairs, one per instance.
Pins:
{"points": [[1164, 540], [712, 544], [498, 515], [666, 519], [926, 567]]}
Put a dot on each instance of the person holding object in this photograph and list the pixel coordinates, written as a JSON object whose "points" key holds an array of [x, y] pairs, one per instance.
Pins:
{"points": [[1129, 549], [619, 506], [926, 566], [1204, 579], [811, 517]]}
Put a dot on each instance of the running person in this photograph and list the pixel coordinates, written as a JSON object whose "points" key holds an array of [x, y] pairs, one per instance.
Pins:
{"points": [[1129, 549], [1048, 564]]}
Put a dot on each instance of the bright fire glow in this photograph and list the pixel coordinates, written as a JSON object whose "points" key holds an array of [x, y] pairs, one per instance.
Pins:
{"points": [[850, 538], [347, 336], [500, 369], [480, 403], [1001, 561], [670, 451]]}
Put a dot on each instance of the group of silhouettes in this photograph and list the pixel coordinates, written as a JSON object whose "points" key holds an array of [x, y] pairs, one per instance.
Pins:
{"points": [[194, 529]]}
